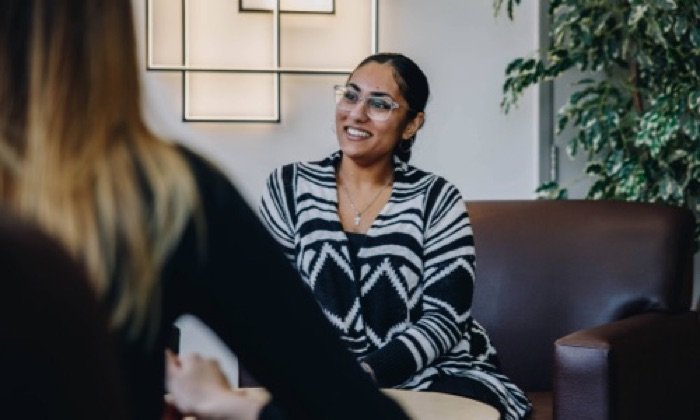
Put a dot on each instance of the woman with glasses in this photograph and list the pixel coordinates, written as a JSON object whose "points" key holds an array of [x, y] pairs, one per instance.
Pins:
{"points": [[386, 248]]}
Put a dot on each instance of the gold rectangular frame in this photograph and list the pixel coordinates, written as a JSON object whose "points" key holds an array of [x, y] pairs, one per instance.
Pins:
{"points": [[277, 70], [255, 6]]}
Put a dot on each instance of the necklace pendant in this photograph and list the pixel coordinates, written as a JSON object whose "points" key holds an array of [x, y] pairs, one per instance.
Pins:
{"points": [[357, 219]]}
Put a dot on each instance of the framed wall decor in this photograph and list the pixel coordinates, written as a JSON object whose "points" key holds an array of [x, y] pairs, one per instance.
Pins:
{"points": [[232, 61], [288, 6]]}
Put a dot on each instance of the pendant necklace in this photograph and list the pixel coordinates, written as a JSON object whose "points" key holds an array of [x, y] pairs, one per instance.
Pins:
{"points": [[358, 213]]}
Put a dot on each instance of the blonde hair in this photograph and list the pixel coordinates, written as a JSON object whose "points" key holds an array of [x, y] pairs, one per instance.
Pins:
{"points": [[75, 154]]}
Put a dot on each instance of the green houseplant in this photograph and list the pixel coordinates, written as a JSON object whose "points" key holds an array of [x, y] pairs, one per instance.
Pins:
{"points": [[638, 119]]}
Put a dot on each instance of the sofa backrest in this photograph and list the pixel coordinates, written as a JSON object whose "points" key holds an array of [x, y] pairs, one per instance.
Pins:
{"points": [[547, 268]]}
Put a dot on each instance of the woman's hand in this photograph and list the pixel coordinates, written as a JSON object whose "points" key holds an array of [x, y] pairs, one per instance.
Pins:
{"points": [[198, 387]]}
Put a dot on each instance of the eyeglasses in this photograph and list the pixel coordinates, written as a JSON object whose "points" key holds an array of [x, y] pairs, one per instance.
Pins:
{"points": [[378, 108]]}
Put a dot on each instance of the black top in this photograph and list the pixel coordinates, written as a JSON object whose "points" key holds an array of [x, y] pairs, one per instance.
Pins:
{"points": [[247, 292], [57, 356], [355, 241]]}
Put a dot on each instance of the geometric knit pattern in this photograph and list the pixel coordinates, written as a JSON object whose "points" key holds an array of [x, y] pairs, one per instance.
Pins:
{"points": [[403, 303]]}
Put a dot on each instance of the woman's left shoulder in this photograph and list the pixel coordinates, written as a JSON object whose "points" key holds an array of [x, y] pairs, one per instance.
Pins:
{"points": [[429, 180]]}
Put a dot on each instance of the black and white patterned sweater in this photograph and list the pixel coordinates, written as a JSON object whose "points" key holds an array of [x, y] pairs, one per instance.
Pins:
{"points": [[406, 311]]}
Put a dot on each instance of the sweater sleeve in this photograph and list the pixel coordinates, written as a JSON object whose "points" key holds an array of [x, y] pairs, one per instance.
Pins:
{"points": [[277, 208], [447, 282], [249, 294]]}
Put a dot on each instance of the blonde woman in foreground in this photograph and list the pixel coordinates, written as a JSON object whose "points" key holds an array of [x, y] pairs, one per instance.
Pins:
{"points": [[159, 230]]}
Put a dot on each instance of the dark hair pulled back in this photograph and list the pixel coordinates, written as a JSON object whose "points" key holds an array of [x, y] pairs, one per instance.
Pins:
{"points": [[413, 85]]}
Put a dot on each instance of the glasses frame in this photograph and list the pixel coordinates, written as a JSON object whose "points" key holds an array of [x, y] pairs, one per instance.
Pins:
{"points": [[340, 94]]}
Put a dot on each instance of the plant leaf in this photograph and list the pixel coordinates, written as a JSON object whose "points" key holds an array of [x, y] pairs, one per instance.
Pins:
{"points": [[665, 4], [637, 13], [680, 27], [694, 100], [695, 37]]}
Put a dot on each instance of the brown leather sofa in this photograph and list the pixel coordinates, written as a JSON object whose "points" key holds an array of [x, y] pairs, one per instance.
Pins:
{"points": [[588, 305]]}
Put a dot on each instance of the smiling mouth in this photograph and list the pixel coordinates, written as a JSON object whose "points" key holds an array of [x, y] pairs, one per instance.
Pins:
{"points": [[357, 133]]}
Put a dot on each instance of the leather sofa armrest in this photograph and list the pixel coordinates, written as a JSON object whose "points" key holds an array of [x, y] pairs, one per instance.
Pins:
{"points": [[642, 367]]}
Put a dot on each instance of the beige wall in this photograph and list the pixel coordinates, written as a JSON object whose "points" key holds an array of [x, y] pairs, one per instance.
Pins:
{"points": [[462, 48]]}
